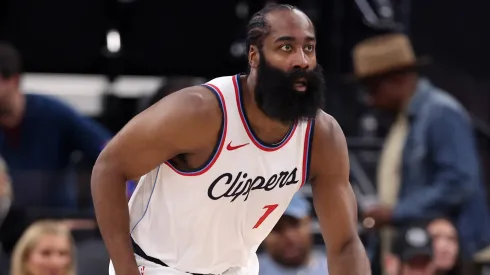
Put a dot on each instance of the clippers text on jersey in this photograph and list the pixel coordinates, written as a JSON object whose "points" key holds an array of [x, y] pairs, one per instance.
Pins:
{"points": [[230, 186]]}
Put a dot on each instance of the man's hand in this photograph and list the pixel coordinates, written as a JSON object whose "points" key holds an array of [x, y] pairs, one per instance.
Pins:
{"points": [[334, 199], [381, 214]]}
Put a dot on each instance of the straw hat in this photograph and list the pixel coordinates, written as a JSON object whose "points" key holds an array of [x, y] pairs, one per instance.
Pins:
{"points": [[383, 54]]}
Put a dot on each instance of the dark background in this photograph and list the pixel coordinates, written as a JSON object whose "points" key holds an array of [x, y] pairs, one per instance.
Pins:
{"points": [[192, 37]]}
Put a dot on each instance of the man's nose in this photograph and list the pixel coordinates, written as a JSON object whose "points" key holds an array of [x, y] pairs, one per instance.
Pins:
{"points": [[290, 233], [301, 60]]}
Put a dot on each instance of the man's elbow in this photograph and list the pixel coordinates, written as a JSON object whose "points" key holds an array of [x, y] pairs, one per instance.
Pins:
{"points": [[464, 188], [98, 172], [470, 188], [105, 169], [348, 245], [349, 254]]}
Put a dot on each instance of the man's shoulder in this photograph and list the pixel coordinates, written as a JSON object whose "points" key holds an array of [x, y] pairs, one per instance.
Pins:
{"points": [[440, 100], [193, 109], [443, 106], [225, 84], [329, 143], [225, 79], [44, 105], [436, 106], [325, 125], [198, 101], [46, 101]]}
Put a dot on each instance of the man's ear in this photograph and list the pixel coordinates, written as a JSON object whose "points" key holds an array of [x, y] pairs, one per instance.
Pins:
{"points": [[253, 56]]}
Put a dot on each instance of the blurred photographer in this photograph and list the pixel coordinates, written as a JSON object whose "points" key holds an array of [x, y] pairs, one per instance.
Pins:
{"points": [[412, 253]]}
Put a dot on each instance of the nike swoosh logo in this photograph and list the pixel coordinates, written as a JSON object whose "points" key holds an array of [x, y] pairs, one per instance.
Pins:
{"points": [[231, 147]]}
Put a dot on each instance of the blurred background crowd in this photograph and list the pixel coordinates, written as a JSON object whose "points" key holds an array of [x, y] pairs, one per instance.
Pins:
{"points": [[407, 81]]}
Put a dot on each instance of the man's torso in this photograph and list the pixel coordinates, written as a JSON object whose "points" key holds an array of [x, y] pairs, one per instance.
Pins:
{"points": [[213, 218]]}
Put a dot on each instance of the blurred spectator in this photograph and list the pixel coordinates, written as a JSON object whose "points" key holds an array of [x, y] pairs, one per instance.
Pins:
{"points": [[5, 191], [412, 253], [38, 134], [429, 166], [5, 200], [445, 244], [289, 247], [13, 221], [46, 247]]}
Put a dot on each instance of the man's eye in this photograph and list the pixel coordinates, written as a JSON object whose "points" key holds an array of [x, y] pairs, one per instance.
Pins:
{"points": [[286, 48]]}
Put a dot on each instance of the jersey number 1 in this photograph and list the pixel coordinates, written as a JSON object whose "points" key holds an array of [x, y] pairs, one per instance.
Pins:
{"points": [[268, 211]]}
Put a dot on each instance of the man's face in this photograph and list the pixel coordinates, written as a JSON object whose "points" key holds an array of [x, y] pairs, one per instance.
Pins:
{"points": [[383, 93], [445, 242], [289, 243], [290, 83], [8, 87]]}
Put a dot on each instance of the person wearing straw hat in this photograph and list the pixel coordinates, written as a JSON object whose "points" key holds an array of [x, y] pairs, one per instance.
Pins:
{"points": [[429, 165]]}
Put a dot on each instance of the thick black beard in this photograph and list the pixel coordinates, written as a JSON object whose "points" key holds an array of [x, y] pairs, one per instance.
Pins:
{"points": [[276, 97]]}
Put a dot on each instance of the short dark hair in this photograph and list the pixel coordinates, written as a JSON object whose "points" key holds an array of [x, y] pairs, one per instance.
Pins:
{"points": [[258, 28], [10, 60]]}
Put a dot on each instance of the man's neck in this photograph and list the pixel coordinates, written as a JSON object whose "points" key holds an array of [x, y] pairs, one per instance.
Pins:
{"points": [[269, 130], [407, 95]]}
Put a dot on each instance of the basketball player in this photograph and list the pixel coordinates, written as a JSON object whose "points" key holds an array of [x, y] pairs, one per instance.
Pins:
{"points": [[220, 162]]}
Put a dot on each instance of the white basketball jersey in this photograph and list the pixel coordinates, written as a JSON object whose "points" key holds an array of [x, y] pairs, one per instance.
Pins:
{"points": [[213, 219]]}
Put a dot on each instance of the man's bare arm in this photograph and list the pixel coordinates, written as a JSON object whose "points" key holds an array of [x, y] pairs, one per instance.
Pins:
{"points": [[183, 122], [334, 200]]}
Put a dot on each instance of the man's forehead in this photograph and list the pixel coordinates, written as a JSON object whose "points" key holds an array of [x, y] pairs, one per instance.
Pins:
{"points": [[290, 23]]}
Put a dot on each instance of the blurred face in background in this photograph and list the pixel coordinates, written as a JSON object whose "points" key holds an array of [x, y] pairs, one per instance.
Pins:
{"points": [[289, 82], [290, 242], [390, 93], [50, 256], [445, 242], [418, 265], [8, 89]]}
